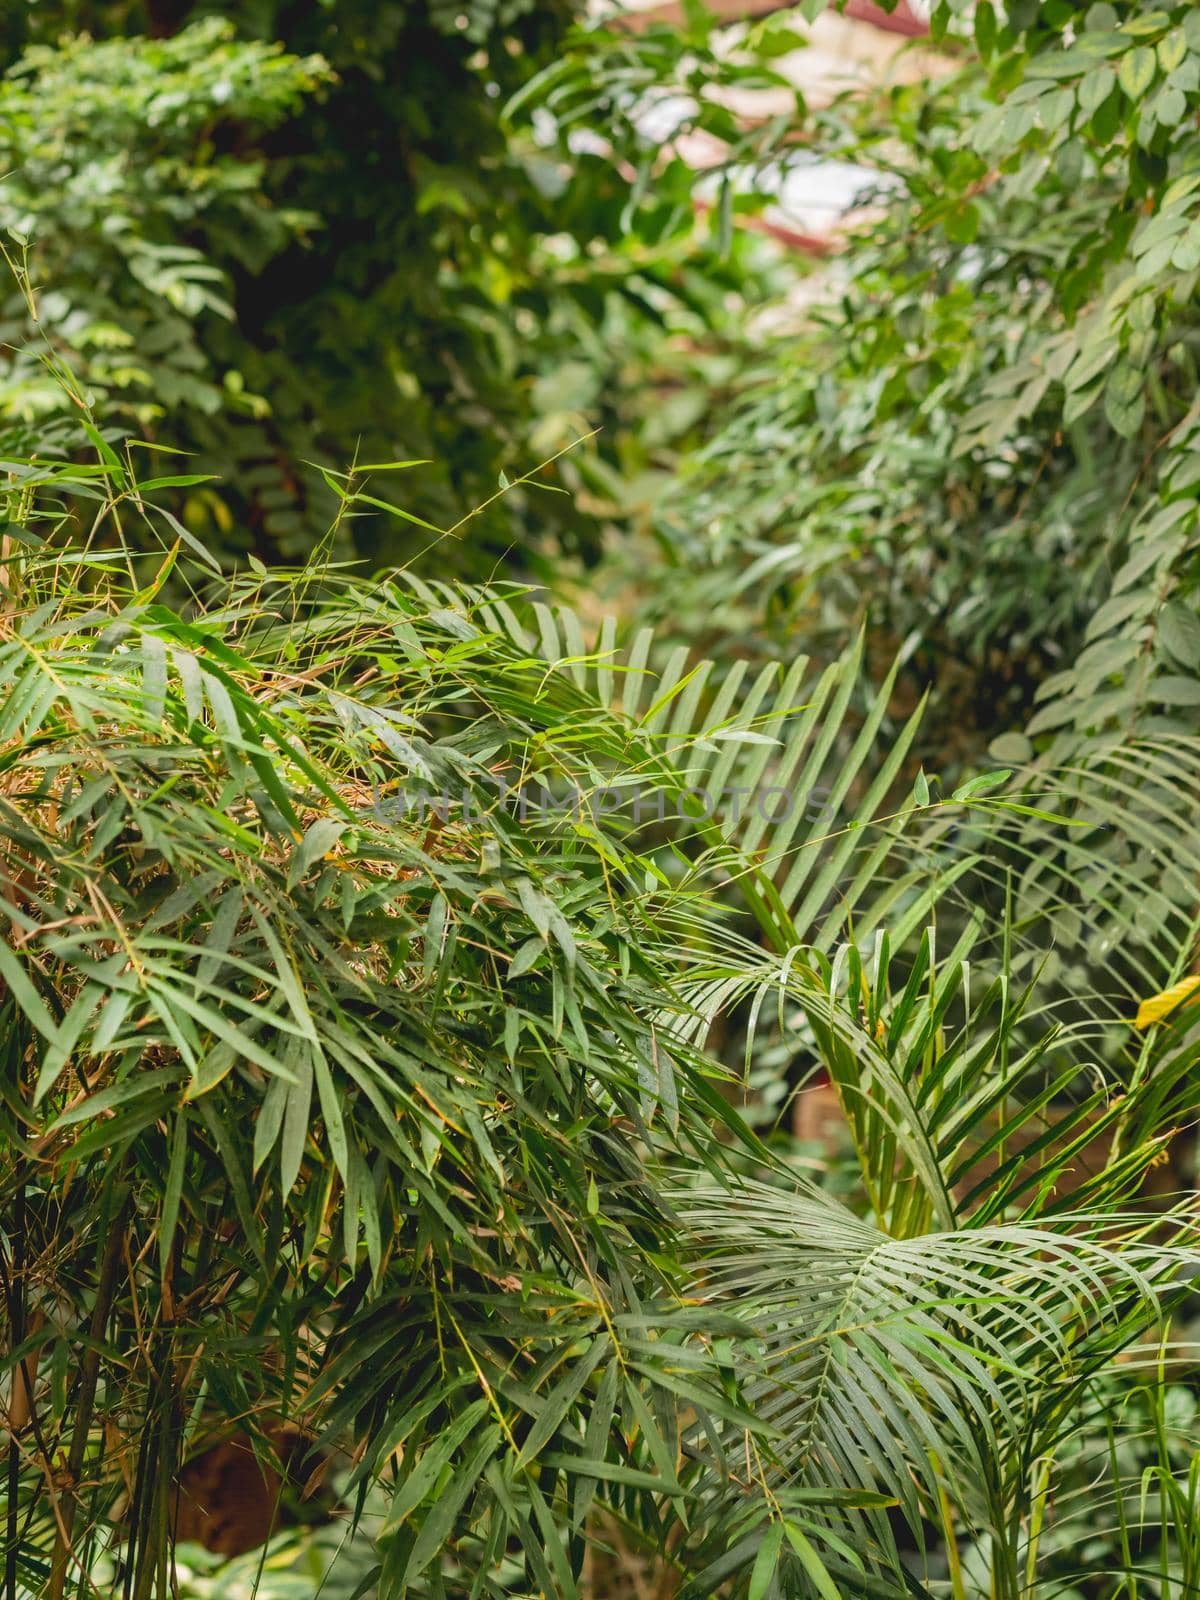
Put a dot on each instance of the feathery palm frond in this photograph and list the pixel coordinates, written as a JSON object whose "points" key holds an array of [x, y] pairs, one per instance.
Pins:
{"points": [[967, 970], [937, 1369]]}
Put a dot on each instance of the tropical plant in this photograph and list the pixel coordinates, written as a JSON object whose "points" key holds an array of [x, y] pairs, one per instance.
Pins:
{"points": [[383, 959], [340, 1089], [328, 1082]]}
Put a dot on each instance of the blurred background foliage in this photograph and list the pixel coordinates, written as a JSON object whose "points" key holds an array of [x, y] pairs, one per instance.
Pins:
{"points": [[291, 236], [983, 428], [288, 238]]}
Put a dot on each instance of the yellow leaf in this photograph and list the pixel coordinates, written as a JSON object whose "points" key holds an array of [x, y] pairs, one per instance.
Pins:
{"points": [[1161, 1005]]}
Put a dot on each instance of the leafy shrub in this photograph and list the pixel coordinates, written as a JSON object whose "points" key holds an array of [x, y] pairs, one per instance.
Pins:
{"points": [[289, 255]]}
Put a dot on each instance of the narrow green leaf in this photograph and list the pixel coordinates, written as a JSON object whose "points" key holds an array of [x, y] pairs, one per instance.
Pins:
{"points": [[765, 1562]]}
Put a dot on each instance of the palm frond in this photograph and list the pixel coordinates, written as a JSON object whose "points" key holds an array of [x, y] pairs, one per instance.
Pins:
{"points": [[928, 1368]]}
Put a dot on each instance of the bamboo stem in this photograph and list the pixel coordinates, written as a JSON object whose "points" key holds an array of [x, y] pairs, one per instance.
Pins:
{"points": [[89, 1377], [16, 1313]]}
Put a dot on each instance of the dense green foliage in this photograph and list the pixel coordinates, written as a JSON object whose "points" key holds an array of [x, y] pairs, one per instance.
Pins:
{"points": [[286, 237], [407, 980], [1009, 349], [407, 1105]]}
